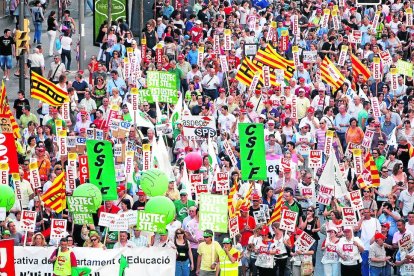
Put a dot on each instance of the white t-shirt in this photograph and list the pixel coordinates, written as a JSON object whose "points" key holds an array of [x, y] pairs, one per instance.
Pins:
{"points": [[385, 188], [368, 229], [349, 250]]}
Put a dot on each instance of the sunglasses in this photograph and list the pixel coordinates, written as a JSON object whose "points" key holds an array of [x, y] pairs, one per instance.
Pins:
{"points": [[94, 240], [310, 210]]}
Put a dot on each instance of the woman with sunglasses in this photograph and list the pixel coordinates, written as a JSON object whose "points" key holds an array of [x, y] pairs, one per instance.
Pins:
{"points": [[184, 263], [369, 202], [94, 240], [330, 258], [312, 226]]}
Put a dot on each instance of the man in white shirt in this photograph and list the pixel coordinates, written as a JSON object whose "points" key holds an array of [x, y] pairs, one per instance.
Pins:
{"points": [[406, 198], [57, 68], [89, 104], [226, 119], [210, 84]]}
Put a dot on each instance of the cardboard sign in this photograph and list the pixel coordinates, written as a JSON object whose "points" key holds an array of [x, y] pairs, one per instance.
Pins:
{"points": [[409, 17], [200, 56], [81, 219], [254, 82], [343, 55], [294, 19], [325, 194], [223, 63], [229, 152], [130, 216], [259, 217], [376, 68], [394, 79], [213, 213], [367, 141], [195, 180], [81, 204], [58, 229], [34, 175], [284, 40], [17, 185], [358, 161], [335, 20], [222, 181], [310, 56], [4, 174], [307, 192], [304, 242], [356, 200], [315, 159], [349, 217], [199, 127], [295, 53], [356, 36], [376, 19], [252, 151], [8, 151], [83, 169], [405, 68], [385, 57], [325, 18], [294, 107], [3, 213], [119, 224], [28, 221], [405, 242], [328, 142], [216, 44], [375, 107], [233, 227], [150, 222], [146, 157], [163, 86], [266, 76], [288, 221], [227, 39]]}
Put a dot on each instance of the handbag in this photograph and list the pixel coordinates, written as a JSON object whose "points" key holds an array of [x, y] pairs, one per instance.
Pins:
{"points": [[264, 261]]}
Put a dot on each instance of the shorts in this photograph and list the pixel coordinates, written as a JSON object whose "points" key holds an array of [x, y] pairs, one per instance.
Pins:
{"points": [[6, 62]]}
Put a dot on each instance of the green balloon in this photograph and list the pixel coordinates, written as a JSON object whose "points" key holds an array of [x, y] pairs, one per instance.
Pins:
{"points": [[89, 190], [7, 197], [154, 182], [161, 205]]}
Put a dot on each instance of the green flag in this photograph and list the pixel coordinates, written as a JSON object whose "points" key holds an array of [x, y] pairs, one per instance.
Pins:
{"points": [[252, 152], [81, 271], [123, 263], [102, 168]]}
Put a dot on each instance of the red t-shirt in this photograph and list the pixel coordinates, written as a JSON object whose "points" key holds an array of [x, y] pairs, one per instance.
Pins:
{"points": [[245, 235]]}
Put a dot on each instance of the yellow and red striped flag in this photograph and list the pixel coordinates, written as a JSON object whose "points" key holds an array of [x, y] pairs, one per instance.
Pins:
{"points": [[331, 75], [359, 68], [361, 182], [277, 211], [372, 169], [3, 101], [55, 196], [233, 191], [9, 115], [46, 91], [244, 74], [410, 150]]}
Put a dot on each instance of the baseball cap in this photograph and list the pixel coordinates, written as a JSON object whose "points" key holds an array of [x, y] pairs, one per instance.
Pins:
{"points": [[311, 110], [301, 90], [198, 22], [244, 208], [43, 177], [264, 231], [222, 90], [258, 91], [182, 192], [270, 122], [120, 188], [181, 57], [6, 232], [255, 197], [207, 233], [140, 193], [379, 236], [262, 116], [301, 80], [386, 224], [227, 240]]}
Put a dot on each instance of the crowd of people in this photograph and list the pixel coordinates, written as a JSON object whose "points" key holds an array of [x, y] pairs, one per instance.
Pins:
{"points": [[372, 247]]}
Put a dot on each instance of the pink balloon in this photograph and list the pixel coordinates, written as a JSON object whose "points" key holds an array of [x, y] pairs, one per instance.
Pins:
{"points": [[193, 161]]}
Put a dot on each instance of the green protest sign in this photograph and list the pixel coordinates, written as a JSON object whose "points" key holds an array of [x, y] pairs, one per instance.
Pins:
{"points": [[82, 219], [101, 168], [213, 212], [144, 95], [405, 68], [252, 151], [163, 86], [80, 204], [151, 222], [119, 10]]}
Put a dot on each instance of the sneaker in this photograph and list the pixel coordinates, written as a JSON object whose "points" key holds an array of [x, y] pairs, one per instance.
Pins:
{"points": [[7, 79]]}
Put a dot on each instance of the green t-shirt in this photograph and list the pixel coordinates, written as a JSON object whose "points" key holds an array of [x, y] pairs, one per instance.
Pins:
{"points": [[182, 209], [52, 123], [379, 162], [363, 114]]}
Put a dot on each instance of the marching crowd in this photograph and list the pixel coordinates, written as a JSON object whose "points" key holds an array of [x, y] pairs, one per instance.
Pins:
{"points": [[298, 113]]}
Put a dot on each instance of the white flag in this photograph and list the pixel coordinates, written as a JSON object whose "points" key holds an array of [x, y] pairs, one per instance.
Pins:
{"points": [[332, 169]]}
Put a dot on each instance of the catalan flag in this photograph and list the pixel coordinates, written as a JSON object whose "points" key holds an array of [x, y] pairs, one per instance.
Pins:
{"points": [[359, 68], [256, 68], [233, 191], [372, 169], [274, 60], [361, 181], [245, 74], [8, 115], [410, 150], [331, 75], [55, 196], [277, 212], [46, 91], [3, 101]]}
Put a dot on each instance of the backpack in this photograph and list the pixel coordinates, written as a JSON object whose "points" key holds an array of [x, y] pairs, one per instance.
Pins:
{"points": [[37, 15]]}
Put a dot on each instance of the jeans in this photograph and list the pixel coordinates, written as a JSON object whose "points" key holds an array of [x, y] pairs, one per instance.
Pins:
{"points": [[6, 62], [377, 271], [331, 269], [341, 136], [38, 32], [66, 55], [365, 263], [182, 268], [52, 36], [195, 257]]}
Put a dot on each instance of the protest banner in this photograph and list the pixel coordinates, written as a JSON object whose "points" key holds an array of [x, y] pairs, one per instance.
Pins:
{"points": [[259, 217], [325, 194], [409, 17], [81, 219], [224, 64], [229, 152], [295, 25], [227, 40], [4, 174], [254, 82], [150, 222], [272, 31], [200, 56], [101, 167], [284, 40], [394, 79], [295, 54], [195, 181], [149, 261], [376, 112], [328, 142], [199, 127], [358, 160], [335, 19], [376, 19], [273, 169], [310, 56], [17, 185], [146, 157], [58, 229], [83, 169], [315, 159], [367, 140], [129, 165], [130, 216], [233, 227], [356, 200], [304, 242], [80, 204], [252, 151], [34, 174], [28, 221], [405, 68], [343, 55], [213, 212], [288, 221], [222, 181], [163, 86], [349, 217], [294, 107], [8, 151], [325, 18], [7, 267], [406, 242], [385, 57], [266, 76], [376, 68]]}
